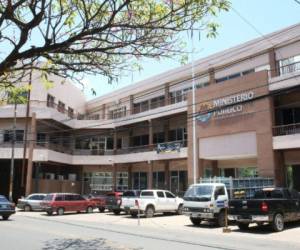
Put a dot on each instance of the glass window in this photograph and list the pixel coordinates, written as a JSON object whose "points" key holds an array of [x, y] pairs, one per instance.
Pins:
{"points": [[160, 194], [49, 197], [50, 101], [140, 180], [169, 195], [59, 198], [289, 65], [219, 191], [159, 137], [147, 193]]}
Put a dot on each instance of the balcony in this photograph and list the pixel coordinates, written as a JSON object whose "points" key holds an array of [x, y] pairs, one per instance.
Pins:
{"points": [[289, 129], [289, 77], [286, 136]]}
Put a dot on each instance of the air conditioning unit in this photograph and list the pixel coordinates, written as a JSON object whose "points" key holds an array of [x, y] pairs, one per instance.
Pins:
{"points": [[72, 177], [49, 176], [60, 177]]}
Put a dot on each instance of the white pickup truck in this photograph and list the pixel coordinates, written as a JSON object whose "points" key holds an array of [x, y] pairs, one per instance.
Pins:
{"points": [[156, 201]]}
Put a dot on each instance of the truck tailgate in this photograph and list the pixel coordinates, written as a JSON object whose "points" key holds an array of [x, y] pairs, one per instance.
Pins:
{"points": [[245, 207]]}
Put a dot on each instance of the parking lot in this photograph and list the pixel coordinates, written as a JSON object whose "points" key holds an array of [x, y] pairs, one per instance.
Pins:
{"points": [[173, 225]]}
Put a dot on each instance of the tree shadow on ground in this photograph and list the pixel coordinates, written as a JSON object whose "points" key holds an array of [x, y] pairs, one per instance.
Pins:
{"points": [[79, 244]]}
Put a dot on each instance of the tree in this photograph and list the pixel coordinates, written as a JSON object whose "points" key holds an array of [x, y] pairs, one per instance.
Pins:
{"points": [[70, 38]]}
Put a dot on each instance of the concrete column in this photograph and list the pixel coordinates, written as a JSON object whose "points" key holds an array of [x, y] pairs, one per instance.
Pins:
{"points": [[280, 180], [215, 170], [200, 172], [191, 156], [167, 175], [273, 63], [103, 115], [167, 94], [166, 130], [150, 174], [115, 141], [212, 79], [114, 175], [130, 176], [150, 124], [131, 108], [32, 140]]}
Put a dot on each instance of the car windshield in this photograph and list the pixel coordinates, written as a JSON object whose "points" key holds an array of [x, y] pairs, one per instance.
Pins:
{"points": [[203, 192], [3, 199]]}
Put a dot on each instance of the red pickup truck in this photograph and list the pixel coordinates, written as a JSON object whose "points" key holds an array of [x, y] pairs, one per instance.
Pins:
{"points": [[66, 202]]}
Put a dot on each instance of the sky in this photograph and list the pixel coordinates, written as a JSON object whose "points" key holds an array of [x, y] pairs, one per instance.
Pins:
{"points": [[265, 16]]}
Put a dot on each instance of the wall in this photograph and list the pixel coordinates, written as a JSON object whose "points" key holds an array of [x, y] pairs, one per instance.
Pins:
{"points": [[256, 118]]}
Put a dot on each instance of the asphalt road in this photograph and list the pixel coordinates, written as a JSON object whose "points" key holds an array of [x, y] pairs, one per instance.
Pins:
{"points": [[32, 231]]}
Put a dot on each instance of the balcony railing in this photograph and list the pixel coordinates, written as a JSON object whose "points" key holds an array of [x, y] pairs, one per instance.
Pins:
{"points": [[290, 68], [289, 129]]}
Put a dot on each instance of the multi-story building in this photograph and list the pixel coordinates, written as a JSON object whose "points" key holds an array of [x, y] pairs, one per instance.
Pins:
{"points": [[247, 112]]}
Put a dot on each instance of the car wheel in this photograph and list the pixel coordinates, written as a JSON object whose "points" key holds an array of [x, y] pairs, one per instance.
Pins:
{"points": [[149, 212], [180, 209], [117, 212], [49, 213], [60, 211], [195, 221], [221, 219], [27, 208], [278, 223], [5, 217], [89, 210], [243, 226], [134, 215], [101, 209]]}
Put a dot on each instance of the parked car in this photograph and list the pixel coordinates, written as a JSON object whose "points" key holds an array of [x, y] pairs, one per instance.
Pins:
{"points": [[156, 201], [31, 202], [273, 205], [113, 202], [67, 202], [100, 201], [128, 200], [6, 208]]}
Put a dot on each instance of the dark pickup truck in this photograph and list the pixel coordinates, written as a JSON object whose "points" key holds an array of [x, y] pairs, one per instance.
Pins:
{"points": [[272, 205]]}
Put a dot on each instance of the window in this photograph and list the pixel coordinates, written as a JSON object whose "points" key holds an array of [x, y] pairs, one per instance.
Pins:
{"points": [[159, 137], [289, 65], [157, 102], [61, 107], [122, 181], [178, 134], [119, 143], [160, 194], [140, 180], [8, 135], [34, 197], [235, 75], [219, 191], [158, 180], [147, 194], [140, 140], [100, 181], [169, 195], [179, 181], [50, 101], [59, 198], [41, 139], [70, 112], [117, 113]]}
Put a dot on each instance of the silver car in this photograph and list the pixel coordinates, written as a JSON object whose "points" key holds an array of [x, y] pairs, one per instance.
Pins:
{"points": [[31, 202]]}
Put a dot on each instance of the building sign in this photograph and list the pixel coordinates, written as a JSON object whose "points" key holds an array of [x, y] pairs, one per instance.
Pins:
{"points": [[223, 107], [168, 147]]}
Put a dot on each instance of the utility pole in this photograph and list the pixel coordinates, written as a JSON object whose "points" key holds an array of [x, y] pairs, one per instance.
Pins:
{"points": [[12, 161]]}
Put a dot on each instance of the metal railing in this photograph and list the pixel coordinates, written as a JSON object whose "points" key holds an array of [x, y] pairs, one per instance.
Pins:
{"points": [[289, 129], [290, 68]]}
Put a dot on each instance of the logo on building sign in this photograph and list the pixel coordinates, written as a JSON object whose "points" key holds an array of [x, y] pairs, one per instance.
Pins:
{"points": [[235, 103]]}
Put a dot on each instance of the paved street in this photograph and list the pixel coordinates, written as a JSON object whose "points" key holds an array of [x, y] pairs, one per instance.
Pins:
{"points": [[35, 230]]}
